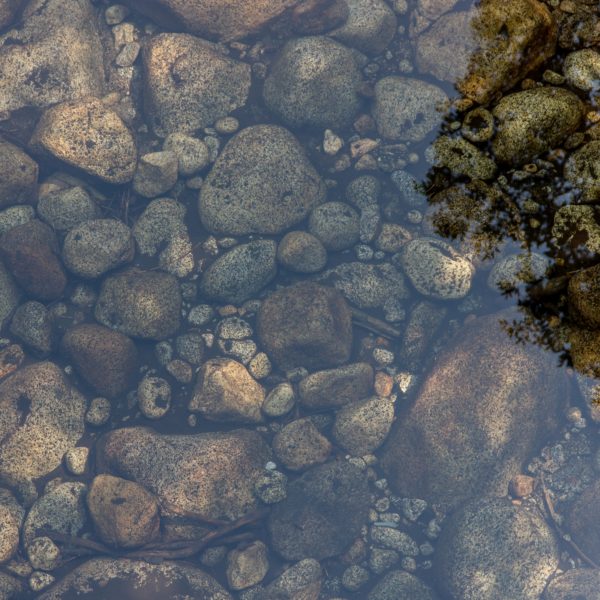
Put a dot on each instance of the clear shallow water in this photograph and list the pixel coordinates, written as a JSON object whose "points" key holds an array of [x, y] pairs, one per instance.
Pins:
{"points": [[562, 469]]}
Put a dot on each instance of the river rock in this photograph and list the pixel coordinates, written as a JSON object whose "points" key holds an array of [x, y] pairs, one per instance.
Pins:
{"points": [[11, 588], [88, 135], [461, 158], [494, 550], [124, 513], [156, 173], [573, 584], [192, 153], [305, 325], [226, 20], [14, 216], [31, 323], [322, 514], [582, 69], [134, 578], [52, 56], [162, 221], [314, 81], [367, 285], [514, 270], [240, 273], [576, 226], [247, 566], [436, 269], [9, 295], [504, 401], [97, 246], [582, 520], [262, 182], [19, 175], [299, 445], [106, 359], [335, 224], [301, 252], [30, 252], [225, 391], [581, 170], [189, 83], [65, 209], [370, 26], [400, 585], [11, 520], [488, 49], [42, 417], [584, 296], [144, 304], [362, 426], [301, 581], [209, 475], [407, 109], [534, 121]]}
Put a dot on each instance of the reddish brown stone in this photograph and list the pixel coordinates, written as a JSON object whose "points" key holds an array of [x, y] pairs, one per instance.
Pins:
{"points": [[30, 252]]}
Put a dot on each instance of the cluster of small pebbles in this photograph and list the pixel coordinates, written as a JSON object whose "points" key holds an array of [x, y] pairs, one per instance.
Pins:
{"points": [[244, 251]]}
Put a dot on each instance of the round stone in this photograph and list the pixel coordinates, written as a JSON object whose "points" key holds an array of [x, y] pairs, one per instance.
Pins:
{"points": [[516, 269], [335, 224], [279, 401], [582, 69], [192, 153], [99, 412], [301, 252], [154, 397], [43, 554]]}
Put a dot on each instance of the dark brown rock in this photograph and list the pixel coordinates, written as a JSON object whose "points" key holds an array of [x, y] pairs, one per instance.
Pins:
{"points": [[306, 325], [30, 252], [485, 408], [322, 514], [124, 513], [106, 359]]}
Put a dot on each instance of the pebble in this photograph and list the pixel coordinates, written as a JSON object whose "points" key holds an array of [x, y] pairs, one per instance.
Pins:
{"points": [[14, 216], [243, 350], [201, 314], [271, 487], [515, 269], [180, 370], [381, 559], [354, 578], [98, 413], [332, 143], [248, 566], [115, 14], [582, 69], [279, 401], [335, 224], [190, 347], [233, 328], [39, 581], [301, 252], [192, 154], [260, 366], [43, 553], [156, 173], [31, 323], [76, 460], [154, 397], [299, 445], [394, 539], [227, 125]]}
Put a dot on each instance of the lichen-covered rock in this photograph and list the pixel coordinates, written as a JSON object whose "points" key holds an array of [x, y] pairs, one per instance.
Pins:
{"points": [[53, 56], [322, 514], [407, 109], [314, 82], [505, 398], [581, 170], [240, 273], [97, 246], [262, 182], [305, 325], [488, 49], [225, 391], [90, 136], [370, 26], [30, 251], [42, 417], [106, 359], [124, 513], [189, 83], [209, 475], [494, 550], [135, 577], [144, 304], [18, 177], [534, 121]]}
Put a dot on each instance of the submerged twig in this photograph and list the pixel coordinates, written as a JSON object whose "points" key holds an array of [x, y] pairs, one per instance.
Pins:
{"points": [[374, 325]]}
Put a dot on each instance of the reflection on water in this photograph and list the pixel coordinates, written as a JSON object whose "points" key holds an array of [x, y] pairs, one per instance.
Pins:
{"points": [[328, 270]]}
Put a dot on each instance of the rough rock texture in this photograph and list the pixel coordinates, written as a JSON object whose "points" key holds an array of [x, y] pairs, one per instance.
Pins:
{"points": [[484, 409], [299, 445], [581, 170], [493, 550], [18, 177], [106, 359], [582, 520], [335, 224], [31, 323], [262, 182], [189, 83], [66, 208], [30, 252], [240, 273], [407, 109], [370, 26], [225, 19], [301, 252], [54, 57], [488, 50], [11, 520], [136, 578], [314, 82], [145, 304], [41, 418], [247, 566], [124, 513], [400, 585], [90, 136], [322, 514], [584, 296], [209, 475], [97, 246], [305, 325], [8, 11], [335, 388], [301, 581], [9, 295], [534, 121], [225, 391]]}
